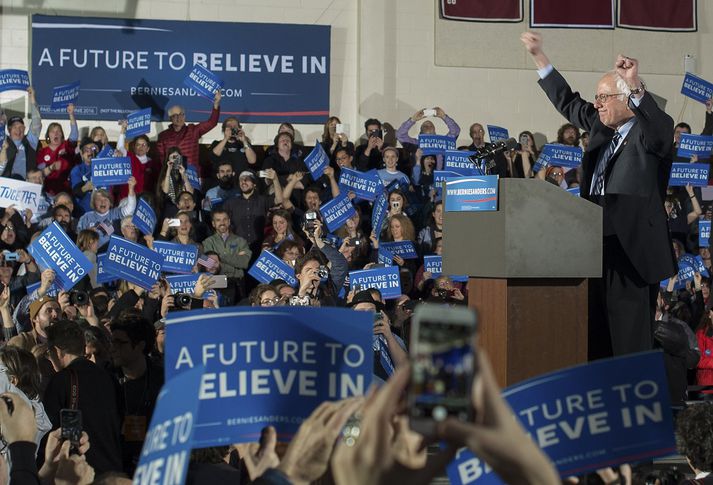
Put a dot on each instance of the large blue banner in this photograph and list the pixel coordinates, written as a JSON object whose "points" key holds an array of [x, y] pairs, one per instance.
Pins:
{"points": [[555, 155], [133, 262], [590, 416], [684, 173], [436, 144], [177, 258], [458, 161], [336, 212], [699, 145], [704, 233], [268, 267], [144, 217], [271, 72], [317, 160], [14, 79], [54, 250], [268, 366], [110, 171], [404, 249], [472, 194], [204, 82], [365, 185], [63, 96], [697, 88], [138, 123], [497, 133], [386, 280], [167, 448]]}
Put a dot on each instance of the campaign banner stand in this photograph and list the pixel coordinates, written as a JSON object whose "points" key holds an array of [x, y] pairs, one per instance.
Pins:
{"points": [[528, 300]]}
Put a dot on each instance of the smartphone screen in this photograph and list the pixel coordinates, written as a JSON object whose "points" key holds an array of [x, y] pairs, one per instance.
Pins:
{"points": [[71, 424], [218, 281], [443, 364]]}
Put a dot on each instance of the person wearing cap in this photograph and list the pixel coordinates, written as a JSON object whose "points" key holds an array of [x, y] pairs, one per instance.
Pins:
{"points": [[43, 313], [19, 150], [186, 137], [389, 349], [390, 172], [248, 212]]}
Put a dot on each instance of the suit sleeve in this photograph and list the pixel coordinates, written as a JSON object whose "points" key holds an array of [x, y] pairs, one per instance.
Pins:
{"points": [[580, 113], [656, 126]]}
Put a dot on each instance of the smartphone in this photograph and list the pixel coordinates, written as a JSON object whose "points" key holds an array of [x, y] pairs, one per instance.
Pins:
{"points": [[11, 256], [174, 222], [429, 112], [443, 364], [395, 205], [71, 423], [342, 128], [218, 281], [262, 174]]}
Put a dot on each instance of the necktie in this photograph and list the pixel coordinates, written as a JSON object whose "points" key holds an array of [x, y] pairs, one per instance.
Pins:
{"points": [[598, 185]]}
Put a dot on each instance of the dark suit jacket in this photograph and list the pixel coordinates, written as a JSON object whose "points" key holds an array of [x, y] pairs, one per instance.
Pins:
{"points": [[636, 176]]}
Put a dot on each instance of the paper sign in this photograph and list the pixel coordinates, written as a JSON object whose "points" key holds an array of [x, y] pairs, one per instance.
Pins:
{"points": [[23, 195], [132, 262], [696, 88], [555, 155], [497, 133], [379, 213], [336, 212], [193, 177], [404, 249], [458, 161], [699, 145], [107, 172], [317, 160], [384, 256], [138, 123], [268, 267], [472, 194], [387, 280], [177, 258], [436, 144], [54, 250], [144, 217], [106, 152], [102, 275], [365, 185], [684, 173], [186, 284], [63, 96], [203, 81], [704, 233], [14, 79]]}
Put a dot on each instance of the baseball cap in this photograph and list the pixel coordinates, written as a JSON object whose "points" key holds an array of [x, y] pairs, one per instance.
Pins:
{"points": [[247, 173], [365, 296], [14, 119], [37, 305]]}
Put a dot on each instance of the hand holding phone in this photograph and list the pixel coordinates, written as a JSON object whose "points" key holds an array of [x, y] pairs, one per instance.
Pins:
{"points": [[71, 424], [429, 112]]}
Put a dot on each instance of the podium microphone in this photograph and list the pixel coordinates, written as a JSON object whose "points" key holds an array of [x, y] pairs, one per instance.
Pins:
{"points": [[484, 160]]}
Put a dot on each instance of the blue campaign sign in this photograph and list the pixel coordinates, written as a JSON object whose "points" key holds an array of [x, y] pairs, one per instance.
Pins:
{"points": [[317, 160], [704, 233], [384, 256], [52, 291], [556, 155], [144, 217], [14, 79], [440, 176], [697, 88], [379, 213], [574, 191], [177, 258], [271, 72], [138, 123], [193, 177], [336, 212], [699, 145], [203, 81], [366, 185], [434, 264], [110, 171], [106, 152], [590, 416], [684, 173], [472, 194], [268, 267], [404, 249], [700, 267], [497, 133], [386, 280], [167, 448], [186, 284], [132, 262], [63, 96], [436, 144], [54, 250], [102, 275], [268, 366], [458, 161]]}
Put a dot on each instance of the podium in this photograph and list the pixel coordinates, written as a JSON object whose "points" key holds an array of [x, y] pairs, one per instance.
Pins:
{"points": [[528, 264]]}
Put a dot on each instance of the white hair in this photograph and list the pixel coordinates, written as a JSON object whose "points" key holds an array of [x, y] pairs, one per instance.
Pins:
{"points": [[620, 82]]}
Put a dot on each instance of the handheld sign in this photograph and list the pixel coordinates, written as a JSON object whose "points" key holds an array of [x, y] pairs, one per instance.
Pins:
{"points": [[177, 258], [700, 267], [63, 96], [404, 249], [696, 88], [684, 173], [458, 161], [203, 81], [317, 160], [497, 133], [385, 256], [336, 212], [186, 284], [268, 267], [144, 217], [102, 275], [54, 250], [52, 291], [110, 171], [132, 262], [574, 191], [167, 448], [268, 366], [386, 280], [472, 194], [436, 144], [589, 416], [440, 176], [699, 145], [379, 213], [365, 185], [557, 155], [138, 123], [193, 177], [434, 265], [14, 79], [106, 152], [20, 194], [704, 233]]}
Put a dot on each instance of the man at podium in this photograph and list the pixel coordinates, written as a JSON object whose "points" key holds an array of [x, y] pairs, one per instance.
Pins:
{"points": [[625, 170]]}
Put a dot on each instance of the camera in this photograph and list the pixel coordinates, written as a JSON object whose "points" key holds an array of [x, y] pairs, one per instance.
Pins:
{"points": [[234, 132], [444, 293], [181, 299], [310, 217], [322, 272], [78, 298], [377, 134]]}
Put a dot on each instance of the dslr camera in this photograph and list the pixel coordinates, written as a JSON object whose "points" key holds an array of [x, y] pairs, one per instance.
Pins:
{"points": [[181, 300], [78, 298]]}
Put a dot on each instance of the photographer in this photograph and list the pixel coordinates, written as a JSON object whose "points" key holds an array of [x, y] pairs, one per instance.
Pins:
{"points": [[234, 148], [368, 154]]}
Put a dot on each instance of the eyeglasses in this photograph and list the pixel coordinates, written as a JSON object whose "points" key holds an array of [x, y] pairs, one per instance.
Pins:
{"points": [[557, 174], [269, 301], [10, 228], [604, 98]]}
